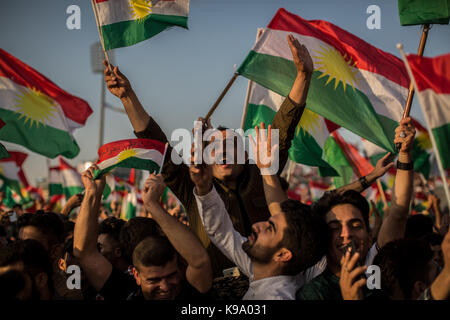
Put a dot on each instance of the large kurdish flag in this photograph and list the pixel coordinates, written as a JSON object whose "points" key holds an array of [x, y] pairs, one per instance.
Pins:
{"points": [[354, 84], [127, 22], [37, 113], [311, 133], [432, 77], [144, 154]]}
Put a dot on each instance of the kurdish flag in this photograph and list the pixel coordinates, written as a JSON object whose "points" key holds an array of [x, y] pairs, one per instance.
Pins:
{"points": [[55, 181], [71, 179], [11, 172], [354, 84], [311, 133], [127, 22], [37, 113], [144, 154], [432, 78]]}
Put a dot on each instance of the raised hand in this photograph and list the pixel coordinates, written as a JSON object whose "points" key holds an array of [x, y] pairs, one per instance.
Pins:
{"points": [[351, 286], [404, 134], [153, 189], [116, 82], [91, 185], [302, 59], [263, 152], [382, 166]]}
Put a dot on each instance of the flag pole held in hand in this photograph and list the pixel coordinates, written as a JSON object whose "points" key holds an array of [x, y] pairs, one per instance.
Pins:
{"points": [[213, 108]]}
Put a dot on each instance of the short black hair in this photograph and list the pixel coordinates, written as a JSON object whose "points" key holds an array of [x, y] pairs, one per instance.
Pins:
{"points": [[48, 223], [134, 231], [331, 199], [32, 254], [153, 251], [111, 226], [404, 261], [305, 236], [418, 225], [433, 239]]}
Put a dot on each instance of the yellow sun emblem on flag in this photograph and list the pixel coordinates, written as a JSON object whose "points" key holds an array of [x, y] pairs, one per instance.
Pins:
{"points": [[309, 122], [140, 9], [332, 64], [424, 141], [34, 106], [127, 153]]}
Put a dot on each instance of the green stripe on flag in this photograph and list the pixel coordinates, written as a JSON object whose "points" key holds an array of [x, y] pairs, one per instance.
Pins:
{"points": [[414, 12], [127, 33], [3, 152], [336, 157], [70, 191], [137, 163], [350, 108], [442, 136]]}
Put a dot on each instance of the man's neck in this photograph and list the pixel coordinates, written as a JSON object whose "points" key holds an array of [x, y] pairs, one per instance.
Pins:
{"points": [[262, 271]]}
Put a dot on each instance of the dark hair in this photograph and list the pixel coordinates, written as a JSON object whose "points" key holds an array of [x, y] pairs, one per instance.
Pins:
{"points": [[331, 199], [284, 184], [153, 251], [134, 231], [32, 254], [433, 239], [11, 283], [418, 225], [111, 226], [305, 236], [48, 223], [404, 261], [69, 226]]}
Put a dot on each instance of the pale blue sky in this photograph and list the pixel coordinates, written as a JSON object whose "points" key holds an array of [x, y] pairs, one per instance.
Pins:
{"points": [[179, 73]]}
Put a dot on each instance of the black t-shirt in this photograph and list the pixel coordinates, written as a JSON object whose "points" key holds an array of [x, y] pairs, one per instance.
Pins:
{"points": [[118, 286]]}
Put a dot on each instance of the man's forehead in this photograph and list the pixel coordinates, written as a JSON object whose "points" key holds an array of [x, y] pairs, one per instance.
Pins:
{"points": [[343, 212]]}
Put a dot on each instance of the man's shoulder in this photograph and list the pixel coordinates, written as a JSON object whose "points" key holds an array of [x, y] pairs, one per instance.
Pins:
{"points": [[321, 287]]}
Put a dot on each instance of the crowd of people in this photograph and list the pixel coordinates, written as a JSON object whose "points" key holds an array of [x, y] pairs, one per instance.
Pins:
{"points": [[243, 238]]}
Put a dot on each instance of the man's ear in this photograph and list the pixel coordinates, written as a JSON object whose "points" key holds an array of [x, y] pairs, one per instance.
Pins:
{"points": [[56, 251], [62, 265], [283, 255], [41, 281], [136, 276]]}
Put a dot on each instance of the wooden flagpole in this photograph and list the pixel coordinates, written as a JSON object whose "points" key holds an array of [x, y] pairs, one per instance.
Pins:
{"points": [[423, 41], [215, 105], [427, 121]]}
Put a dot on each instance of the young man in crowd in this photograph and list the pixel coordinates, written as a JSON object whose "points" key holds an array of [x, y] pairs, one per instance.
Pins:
{"points": [[108, 242], [113, 284], [348, 224]]}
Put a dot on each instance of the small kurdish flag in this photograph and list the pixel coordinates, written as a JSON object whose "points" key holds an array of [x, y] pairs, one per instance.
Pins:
{"points": [[354, 84], [71, 179], [123, 23], [37, 113], [11, 173], [144, 154], [55, 181]]}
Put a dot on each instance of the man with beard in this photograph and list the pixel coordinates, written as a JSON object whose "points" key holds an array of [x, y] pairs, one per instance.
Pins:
{"points": [[277, 249], [350, 248]]}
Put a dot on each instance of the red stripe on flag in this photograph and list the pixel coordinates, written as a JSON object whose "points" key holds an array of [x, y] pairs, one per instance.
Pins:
{"points": [[98, 1], [19, 158], [431, 73], [366, 56], [112, 149], [73, 107], [63, 165], [361, 166]]}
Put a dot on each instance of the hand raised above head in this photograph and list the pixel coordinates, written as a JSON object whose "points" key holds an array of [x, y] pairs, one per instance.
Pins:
{"points": [[153, 189], [116, 81], [405, 134], [87, 178], [302, 59]]}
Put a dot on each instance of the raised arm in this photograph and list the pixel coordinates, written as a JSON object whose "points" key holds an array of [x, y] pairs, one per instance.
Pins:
{"points": [[440, 288], [394, 223], [199, 270], [265, 155], [96, 267], [288, 116]]}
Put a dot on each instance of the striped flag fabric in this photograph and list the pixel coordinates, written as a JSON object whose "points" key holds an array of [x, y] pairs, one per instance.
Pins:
{"points": [[413, 12], [144, 154], [354, 84], [11, 173], [55, 181], [432, 77], [71, 179], [126, 22], [37, 113]]}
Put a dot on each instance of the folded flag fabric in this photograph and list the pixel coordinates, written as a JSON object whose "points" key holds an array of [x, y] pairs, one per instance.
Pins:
{"points": [[37, 113], [432, 77], [71, 179], [310, 136], [127, 22], [354, 84], [3, 152], [11, 173], [55, 181], [414, 12], [144, 154]]}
